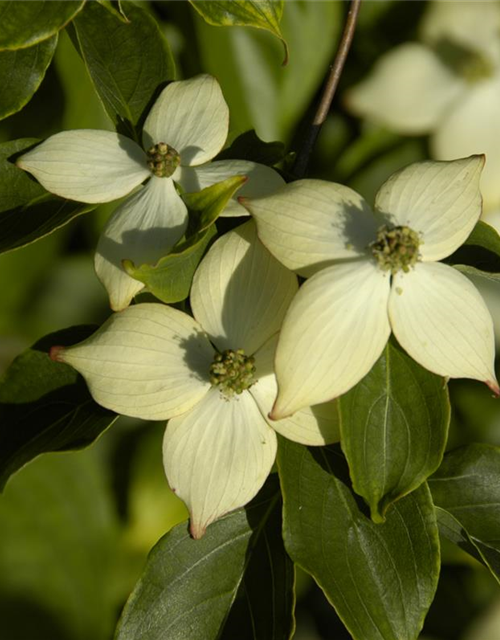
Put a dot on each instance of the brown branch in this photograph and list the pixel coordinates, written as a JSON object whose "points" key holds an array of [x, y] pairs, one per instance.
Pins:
{"points": [[304, 153]]}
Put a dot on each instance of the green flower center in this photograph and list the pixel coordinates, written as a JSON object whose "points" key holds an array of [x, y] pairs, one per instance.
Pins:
{"points": [[396, 248], [232, 371], [163, 160], [469, 64]]}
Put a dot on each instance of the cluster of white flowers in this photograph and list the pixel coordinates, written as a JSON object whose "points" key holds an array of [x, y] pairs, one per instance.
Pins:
{"points": [[261, 355]]}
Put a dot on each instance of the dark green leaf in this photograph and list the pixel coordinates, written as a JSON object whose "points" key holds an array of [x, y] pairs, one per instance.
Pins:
{"points": [[263, 14], [189, 586], [394, 427], [480, 255], [58, 549], [27, 211], [467, 487], [128, 62], [170, 279], [21, 73], [115, 8], [25, 24], [380, 578], [46, 406], [248, 146]]}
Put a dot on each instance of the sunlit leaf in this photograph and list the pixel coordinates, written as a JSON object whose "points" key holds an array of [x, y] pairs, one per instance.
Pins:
{"points": [[394, 426], [189, 587], [466, 487], [263, 14], [46, 406], [21, 72], [25, 24], [381, 578]]}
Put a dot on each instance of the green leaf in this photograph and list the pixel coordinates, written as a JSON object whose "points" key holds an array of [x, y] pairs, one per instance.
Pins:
{"points": [[128, 62], [381, 578], [467, 487], [271, 99], [21, 73], [27, 211], [207, 205], [170, 279], [25, 24], [263, 14], [189, 586], [46, 406], [114, 8], [58, 546], [248, 146], [480, 255], [394, 427]]}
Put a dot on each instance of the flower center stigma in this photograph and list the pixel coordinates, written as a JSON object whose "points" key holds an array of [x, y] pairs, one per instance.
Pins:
{"points": [[232, 371], [396, 248], [162, 160]]}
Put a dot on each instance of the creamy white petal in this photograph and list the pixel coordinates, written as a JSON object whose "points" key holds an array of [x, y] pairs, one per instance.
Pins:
{"points": [[149, 361], [309, 223], [315, 425], [334, 331], [262, 180], [473, 126], [408, 90], [217, 456], [240, 293], [143, 229], [87, 165], [441, 320], [191, 116], [473, 25], [439, 200]]}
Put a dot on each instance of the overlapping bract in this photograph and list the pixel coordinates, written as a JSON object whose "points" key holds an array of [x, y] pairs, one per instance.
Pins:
{"points": [[100, 166], [152, 361], [340, 320]]}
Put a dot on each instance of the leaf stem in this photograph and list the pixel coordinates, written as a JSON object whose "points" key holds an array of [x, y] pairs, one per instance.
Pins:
{"points": [[305, 150]]}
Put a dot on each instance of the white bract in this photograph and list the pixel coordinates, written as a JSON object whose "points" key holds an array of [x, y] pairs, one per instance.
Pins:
{"points": [[211, 376], [373, 272], [448, 86], [186, 127]]}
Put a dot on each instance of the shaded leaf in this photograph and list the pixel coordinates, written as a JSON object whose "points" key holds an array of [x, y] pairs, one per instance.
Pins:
{"points": [[46, 406], [21, 72], [58, 545], [114, 7], [25, 24], [189, 586], [263, 14], [248, 146], [381, 578], [480, 255], [466, 487], [27, 211], [394, 426], [129, 62]]}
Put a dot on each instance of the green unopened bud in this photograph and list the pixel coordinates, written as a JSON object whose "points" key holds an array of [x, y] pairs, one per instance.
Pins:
{"points": [[163, 160], [232, 371], [396, 248]]}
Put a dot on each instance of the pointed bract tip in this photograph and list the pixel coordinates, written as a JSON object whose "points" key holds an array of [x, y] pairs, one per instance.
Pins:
{"points": [[243, 201], [197, 530], [493, 385], [55, 353]]}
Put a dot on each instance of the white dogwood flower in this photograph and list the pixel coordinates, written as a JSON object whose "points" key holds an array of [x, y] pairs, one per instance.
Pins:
{"points": [[211, 376], [447, 86], [374, 272], [186, 127]]}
